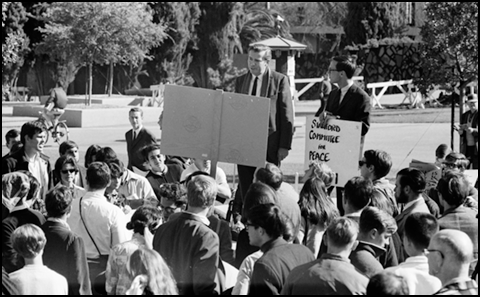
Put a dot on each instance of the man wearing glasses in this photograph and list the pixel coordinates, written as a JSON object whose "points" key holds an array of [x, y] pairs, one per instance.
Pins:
{"points": [[349, 102]]}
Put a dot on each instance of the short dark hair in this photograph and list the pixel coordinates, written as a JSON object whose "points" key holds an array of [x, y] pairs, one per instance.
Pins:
{"points": [[442, 150], [413, 178], [270, 217], [105, 154], [144, 216], [374, 218], [136, 109], [260, 48], [30, 128], [258, 193], [64, 159], [358, 192], [117, 168], [13, 133], [28, 240], [98, 176], [420, 228], [270, 175], [459, 159], [65, 146], [387, 283], [454, 188], [34, 191], [381, 161], [58, 201], [346, 64], [174, 192], [149, 148]]}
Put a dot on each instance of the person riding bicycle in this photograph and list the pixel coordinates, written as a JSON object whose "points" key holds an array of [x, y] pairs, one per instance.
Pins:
{"points": [[55, 107]]}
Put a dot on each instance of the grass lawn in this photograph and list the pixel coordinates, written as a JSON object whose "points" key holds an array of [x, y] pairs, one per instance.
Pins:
{"points": [[404, 115]]}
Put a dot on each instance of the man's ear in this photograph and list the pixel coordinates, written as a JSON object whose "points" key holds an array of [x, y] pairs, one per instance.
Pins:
{"points": [[372, 234]]}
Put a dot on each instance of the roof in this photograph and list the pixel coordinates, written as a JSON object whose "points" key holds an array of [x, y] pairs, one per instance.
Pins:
{"points": [[316, 30], [280, 43]]}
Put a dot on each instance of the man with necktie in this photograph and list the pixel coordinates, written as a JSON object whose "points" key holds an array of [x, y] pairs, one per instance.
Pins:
{"points": [[261, 81], [349, 102]]}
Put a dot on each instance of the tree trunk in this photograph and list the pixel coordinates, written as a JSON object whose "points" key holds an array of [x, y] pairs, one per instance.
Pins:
{"points": [[90, 82], [452, 131], [110, 78]]}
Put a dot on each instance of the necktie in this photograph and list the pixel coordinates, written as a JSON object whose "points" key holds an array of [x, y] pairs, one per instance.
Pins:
{"points": [[134, 135], [254, 89]]}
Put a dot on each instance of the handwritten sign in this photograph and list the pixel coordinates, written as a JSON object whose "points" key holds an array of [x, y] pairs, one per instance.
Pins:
{"points": [[337, 144], [215, 125], [432, 172]]}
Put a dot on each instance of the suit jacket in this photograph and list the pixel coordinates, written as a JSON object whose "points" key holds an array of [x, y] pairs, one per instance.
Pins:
{"points": [[65, 254], [280, 125], [463, 137], [355, 106], [191, 250], [135, 146]]}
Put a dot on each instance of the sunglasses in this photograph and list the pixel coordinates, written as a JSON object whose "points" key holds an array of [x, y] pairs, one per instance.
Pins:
{"points": [[69, 170], [361, 163]]}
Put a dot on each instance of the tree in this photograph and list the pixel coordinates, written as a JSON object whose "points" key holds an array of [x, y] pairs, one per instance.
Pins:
{"points": [[449, 55], [217, 38], [170, 60], [84, 33], [14, 44], [372, 20], [314, 14]]}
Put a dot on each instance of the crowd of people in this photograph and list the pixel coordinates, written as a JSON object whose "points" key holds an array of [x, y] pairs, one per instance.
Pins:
{"points": [[153, 226]]}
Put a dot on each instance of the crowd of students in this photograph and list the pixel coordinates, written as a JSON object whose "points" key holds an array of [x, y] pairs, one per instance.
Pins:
{"points": [[94, 226]]}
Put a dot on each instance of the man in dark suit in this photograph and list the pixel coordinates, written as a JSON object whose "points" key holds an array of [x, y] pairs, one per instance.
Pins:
{"points": [[188, 245], [348, 102], [468, 130], [64, 251], [137, 138], [264, 82]]}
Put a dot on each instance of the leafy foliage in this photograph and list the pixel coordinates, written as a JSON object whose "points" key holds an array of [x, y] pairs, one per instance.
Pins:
{"points": [[312, 13], [449, 56], [224, 76]]}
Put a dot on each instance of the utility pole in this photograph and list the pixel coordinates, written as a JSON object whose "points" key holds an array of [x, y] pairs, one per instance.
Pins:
{"points": [[267, 5]]}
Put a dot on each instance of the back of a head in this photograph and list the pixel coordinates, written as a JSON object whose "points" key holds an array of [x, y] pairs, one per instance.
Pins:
{"points": [[374, 218], [270, 218], [28, 241], [144, 216], [148, 262], [413, 178], [454, 244], [453, 187], [315, 204], [98, 176], [346, 64], [58, 201], [11, 134], [420, 228], [201, 191], [116, 166], [442, 151], [258, 193], [387, 283], [65, 146], [105, 154], [15, 188], [381, 161], [322, 171], [90, 155], [358, 192], [342, 232], [270, 175], [174, 192]]}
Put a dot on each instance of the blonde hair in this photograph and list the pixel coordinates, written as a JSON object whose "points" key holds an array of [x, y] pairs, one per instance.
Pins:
{"points": [[149, 263]]}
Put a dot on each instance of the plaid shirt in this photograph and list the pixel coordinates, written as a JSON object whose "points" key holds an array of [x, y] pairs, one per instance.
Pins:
{"points": [[460, 287]]}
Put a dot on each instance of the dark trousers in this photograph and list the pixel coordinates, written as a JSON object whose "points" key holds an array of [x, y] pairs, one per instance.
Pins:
{"points": [[245, 179]]}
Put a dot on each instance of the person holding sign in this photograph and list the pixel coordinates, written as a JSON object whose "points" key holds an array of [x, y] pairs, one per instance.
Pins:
{"points": [[262, 81], [349, 102]]}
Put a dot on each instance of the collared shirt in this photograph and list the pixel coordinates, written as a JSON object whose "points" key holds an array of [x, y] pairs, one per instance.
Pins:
{"points": [[201, 218], [459, 286], [135, 187], [344, 91], [38, 167], [60, 221], [245, 273], [259, 84], [415, 272], [105, 222], [118, 280], [412, 203]]}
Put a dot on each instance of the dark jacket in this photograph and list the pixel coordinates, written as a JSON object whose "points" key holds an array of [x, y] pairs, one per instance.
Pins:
{"points": [[173, 175], [222, 228], [366, 258], [134, 147], [65, 254]]}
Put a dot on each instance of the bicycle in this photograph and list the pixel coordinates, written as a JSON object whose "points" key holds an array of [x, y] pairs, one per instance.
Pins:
{"points": [[59, 133]]}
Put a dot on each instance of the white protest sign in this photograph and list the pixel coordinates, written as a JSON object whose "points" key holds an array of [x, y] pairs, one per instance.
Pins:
{"points": [[432, 172], [337, 144], [215, 125]]}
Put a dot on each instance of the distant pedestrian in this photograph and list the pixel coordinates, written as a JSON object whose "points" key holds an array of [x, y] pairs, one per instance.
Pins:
{"points": [[137, 138]]}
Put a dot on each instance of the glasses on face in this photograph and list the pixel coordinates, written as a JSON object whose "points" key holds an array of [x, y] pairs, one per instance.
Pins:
{"points": [[69, 171], [331, 70], [247, 224], [361, 163], [451, 165], [428, 251]]}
